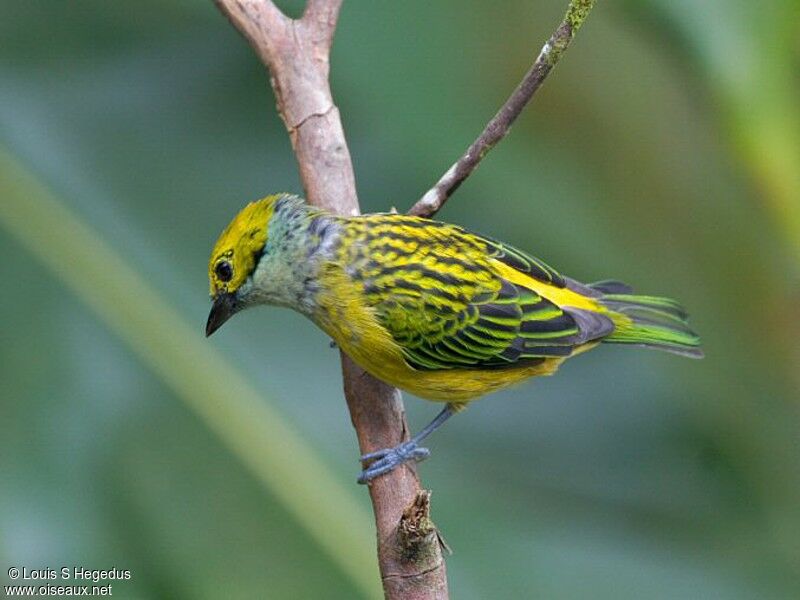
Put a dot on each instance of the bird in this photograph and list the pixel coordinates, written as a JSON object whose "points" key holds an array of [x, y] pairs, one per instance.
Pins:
{"points": [[429, 307]]}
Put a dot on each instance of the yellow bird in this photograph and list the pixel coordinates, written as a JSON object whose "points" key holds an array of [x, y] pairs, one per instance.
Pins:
{"points": [[429, 307]]}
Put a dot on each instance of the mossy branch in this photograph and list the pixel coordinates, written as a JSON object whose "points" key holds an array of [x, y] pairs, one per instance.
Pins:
{"points": [[499, 126]]}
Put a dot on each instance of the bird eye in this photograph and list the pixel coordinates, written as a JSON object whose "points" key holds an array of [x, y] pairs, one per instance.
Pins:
{"points": [[224, 270]]}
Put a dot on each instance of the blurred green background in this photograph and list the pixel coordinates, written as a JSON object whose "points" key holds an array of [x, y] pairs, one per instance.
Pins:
{"points": [[664, 151]]}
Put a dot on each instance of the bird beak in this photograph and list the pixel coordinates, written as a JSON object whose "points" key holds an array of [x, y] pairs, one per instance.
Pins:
{"points": [[225, 306]]}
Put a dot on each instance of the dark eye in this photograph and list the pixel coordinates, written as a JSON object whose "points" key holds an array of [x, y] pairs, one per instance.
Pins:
{"points": [[224, 270]]}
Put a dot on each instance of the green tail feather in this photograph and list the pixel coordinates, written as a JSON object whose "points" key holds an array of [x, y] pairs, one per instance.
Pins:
{"points": [[651, 321]]}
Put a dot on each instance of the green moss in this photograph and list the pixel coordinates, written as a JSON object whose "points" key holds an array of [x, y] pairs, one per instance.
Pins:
{"points": [[577, 12], [557, 44]]}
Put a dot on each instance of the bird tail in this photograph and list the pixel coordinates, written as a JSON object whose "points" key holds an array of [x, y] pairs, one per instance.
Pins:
{"points": [[648, 321]]}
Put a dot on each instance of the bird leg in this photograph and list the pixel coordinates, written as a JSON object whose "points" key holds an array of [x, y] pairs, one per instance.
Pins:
{"points": [[383, 461]]}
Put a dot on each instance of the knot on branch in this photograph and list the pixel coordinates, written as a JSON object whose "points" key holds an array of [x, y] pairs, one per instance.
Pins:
{"points": [[418, 539]]}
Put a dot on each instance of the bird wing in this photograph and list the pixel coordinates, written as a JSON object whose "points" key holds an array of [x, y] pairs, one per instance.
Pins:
{"points": [[441, 292]]}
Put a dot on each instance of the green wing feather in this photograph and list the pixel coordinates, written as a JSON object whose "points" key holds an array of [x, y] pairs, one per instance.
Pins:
{"points": [[523, 262], [433, 287]]}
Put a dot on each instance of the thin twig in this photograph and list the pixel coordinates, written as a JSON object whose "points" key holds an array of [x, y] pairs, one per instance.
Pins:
{"points": [[297, 55], [498, 127]]}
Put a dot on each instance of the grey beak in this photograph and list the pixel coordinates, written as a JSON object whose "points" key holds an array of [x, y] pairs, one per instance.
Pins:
{"points": [[225, 306]]}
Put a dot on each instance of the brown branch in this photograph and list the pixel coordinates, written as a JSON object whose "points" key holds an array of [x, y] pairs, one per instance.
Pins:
{"points": [[498, 127], [296, 53]]}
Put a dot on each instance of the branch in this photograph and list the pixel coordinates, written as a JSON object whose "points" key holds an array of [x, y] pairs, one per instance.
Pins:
{"points": [[498, 127], [296, 53]]}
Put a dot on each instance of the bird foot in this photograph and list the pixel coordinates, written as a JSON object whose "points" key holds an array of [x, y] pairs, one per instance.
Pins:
{"points": [[388, 459]]}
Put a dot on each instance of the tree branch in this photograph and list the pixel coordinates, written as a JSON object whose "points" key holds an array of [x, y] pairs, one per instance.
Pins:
{"points": [[296, 53], [499, 126], [323, 14]]}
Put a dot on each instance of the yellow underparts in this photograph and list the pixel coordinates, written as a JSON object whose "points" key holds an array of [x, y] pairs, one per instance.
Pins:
{"points": [[353, 325]]}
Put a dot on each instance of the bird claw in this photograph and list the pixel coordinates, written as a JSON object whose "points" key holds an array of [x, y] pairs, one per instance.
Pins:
{"points": [[382, 461]]}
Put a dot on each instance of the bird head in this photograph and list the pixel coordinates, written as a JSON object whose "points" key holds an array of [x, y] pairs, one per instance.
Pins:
{"points": [[235, 258]]}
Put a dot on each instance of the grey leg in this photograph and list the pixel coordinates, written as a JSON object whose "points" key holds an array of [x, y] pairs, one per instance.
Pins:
{"points": [[383, 461]]}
